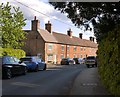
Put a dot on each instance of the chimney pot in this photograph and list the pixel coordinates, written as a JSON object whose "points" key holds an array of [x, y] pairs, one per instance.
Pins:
{"points": [[92, 39], [69, 32], [35, 18], [80, 35]]}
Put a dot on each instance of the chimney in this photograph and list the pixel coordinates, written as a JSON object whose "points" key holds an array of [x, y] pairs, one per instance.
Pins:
{"points": [[35, 24], [69, 33], [80, 35], [48, 27], [91, 38]]}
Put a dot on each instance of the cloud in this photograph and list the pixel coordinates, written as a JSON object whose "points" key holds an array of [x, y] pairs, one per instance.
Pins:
{"points": [[43, 11]]}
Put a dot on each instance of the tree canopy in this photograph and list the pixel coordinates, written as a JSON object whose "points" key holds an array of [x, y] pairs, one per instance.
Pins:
{"points": [[11, 23], [103, 15]]}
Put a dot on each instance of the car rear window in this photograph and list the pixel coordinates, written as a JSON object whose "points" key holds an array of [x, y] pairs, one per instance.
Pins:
{"points": [[92, 57]]}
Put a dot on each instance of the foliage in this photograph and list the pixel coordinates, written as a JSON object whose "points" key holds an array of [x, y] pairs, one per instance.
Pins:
{"points": [[12, 52], [108, 62], [105, 17], [11, 23], [82, 13]]}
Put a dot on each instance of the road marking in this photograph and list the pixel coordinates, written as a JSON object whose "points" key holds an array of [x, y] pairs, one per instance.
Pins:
{"points": [[25, 84], [89, 84]]}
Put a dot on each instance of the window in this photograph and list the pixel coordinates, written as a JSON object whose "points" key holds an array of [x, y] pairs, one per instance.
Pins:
{"points": [[75, 48], [50, 57], [84, 56], [68, 47], [84, 48], [62, 56], [50, 46], [62, 47], [81, 48], [67, 55], [81, 55], [75, 56]]}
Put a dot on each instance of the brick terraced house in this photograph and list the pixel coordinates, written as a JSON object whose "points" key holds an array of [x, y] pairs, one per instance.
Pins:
{"points": [[53, 46]]}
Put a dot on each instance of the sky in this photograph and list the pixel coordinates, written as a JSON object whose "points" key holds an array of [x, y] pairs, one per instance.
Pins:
{"points": [[45, 12]]}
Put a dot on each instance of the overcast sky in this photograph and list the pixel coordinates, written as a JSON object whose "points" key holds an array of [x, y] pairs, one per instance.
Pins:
{"points": [[45, 12]]}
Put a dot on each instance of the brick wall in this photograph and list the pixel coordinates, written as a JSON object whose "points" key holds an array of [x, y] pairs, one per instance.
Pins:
{"points": [[34, 44]]}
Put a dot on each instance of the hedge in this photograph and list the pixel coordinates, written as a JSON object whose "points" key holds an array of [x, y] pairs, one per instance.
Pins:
{"points": [[12, 52], [108, 62]]}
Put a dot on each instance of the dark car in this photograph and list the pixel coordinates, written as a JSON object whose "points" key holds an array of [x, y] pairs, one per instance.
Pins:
{"points": [[34, 63], [78, 60], [67, 61], [12, 66], [91, 61]]}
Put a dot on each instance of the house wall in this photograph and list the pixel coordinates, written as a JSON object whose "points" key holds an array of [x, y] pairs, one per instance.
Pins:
{"points": [[58, 53], [50, 54], [34, 44]]}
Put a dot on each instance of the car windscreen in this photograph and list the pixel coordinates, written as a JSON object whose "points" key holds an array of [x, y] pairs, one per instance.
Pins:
{"points": [[8, 60], [75, 58], [26, 59]]}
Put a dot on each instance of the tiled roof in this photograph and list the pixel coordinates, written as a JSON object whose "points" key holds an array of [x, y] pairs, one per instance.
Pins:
{"points": [[47, 36], [65, 39]]}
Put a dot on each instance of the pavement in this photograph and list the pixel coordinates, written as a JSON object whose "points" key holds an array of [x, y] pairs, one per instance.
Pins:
{"points": [[88, 83]]}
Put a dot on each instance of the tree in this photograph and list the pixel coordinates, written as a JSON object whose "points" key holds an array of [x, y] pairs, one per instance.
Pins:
{"points": [[82, 13], [11, 23], [107, 31]]}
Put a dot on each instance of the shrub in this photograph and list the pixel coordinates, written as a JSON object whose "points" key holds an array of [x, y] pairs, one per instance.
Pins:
{"points": [[12, 52], [108, 62]]}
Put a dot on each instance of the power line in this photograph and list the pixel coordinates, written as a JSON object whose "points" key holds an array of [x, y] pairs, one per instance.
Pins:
{"points": [[43, 13]]}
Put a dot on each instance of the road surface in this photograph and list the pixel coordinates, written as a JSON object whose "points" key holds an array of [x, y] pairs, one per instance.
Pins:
{"points": [[54, 81]]}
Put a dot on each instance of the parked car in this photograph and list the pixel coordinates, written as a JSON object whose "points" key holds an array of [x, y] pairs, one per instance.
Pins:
{"points": [[12, 66], [34, 63], [83, 60], [78, 60], [67, 61], [91, 61]]}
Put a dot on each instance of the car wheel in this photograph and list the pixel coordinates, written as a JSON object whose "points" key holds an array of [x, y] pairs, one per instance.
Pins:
{"points": [[68, 63], [37, 68], [25, 71], [95, 65], [8, 74], [44, 67], [88, 66]]}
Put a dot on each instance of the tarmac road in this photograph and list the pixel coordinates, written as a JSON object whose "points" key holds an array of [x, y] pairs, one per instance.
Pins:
{"points": [[56, 80]]}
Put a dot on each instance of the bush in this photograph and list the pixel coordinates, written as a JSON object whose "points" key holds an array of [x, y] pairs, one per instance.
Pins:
{"points": [[12, 52], [108, 62]]}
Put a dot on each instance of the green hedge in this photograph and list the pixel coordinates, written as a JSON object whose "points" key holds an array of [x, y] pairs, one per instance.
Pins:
{"points": [[12, 52], [108, 62]]}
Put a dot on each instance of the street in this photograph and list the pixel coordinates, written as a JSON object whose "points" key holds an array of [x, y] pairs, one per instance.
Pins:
{"points": [[54, 81]]}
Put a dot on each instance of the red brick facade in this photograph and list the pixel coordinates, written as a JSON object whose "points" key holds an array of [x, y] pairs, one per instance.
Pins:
{"points": [[53, 48]]}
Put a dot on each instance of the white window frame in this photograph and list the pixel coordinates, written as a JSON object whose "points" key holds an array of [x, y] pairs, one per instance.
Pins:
{"points": [[49, 46], [62, 47]]}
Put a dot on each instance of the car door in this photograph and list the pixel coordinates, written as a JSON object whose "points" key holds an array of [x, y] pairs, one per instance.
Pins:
{"points": [[17, 67], [41, 63]]}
